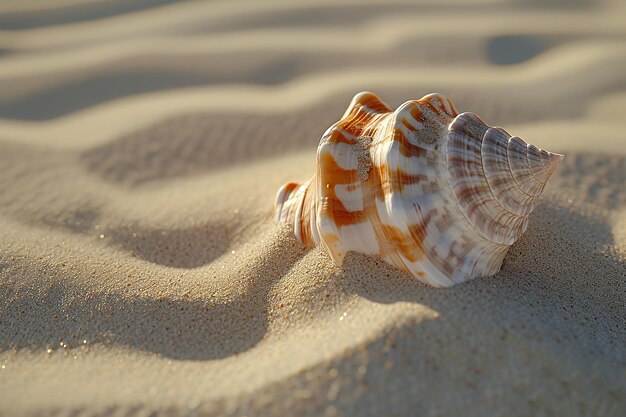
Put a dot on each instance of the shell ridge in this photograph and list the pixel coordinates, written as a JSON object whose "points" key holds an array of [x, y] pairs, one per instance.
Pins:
{"points": [[469, 183], [481, 246], [520, 218], [522, 171], [448, 233], [545, 170], [385, 218], [513, 174], [298, 218], [511, 170], [367, 100], [488, 177], [498, 173], [398, 226], [532, 151], [468, 223], [342, 211]]}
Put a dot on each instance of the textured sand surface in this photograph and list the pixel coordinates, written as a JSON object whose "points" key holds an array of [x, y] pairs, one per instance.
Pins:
{"points": [[141, 145]]}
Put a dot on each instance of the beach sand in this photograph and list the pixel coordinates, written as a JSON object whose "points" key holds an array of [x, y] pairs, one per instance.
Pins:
{"points": [[141, 147]]}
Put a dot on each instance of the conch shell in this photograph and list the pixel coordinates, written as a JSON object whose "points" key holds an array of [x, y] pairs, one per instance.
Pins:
{"points": [[438, 194]]}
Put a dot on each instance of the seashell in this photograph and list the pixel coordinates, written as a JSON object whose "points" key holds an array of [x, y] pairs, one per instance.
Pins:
{"points": [[438, 194]]}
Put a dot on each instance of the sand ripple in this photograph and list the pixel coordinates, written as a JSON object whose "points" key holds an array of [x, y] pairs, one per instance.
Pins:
{"points": [[140, 149]]}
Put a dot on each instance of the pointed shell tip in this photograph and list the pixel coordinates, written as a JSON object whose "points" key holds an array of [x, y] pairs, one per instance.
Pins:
{"points": [[556, 158]]}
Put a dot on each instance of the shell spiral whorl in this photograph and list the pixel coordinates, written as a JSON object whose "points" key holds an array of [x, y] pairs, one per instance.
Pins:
{"points": [[438, 194]]}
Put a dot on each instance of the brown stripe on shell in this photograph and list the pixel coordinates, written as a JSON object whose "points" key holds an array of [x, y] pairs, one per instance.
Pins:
{"points": [[331, 174], [407, 148], [401, 243], [400, 179]]}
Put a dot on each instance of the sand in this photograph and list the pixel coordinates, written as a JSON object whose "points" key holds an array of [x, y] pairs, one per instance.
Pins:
{"points": [[140, 270]]}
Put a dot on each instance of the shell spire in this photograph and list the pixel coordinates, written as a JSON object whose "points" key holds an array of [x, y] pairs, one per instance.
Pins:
{"points": [[438, 194]]}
